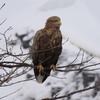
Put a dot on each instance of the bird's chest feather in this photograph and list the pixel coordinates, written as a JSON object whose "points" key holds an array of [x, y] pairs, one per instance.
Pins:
{"points": [[52, 38]]}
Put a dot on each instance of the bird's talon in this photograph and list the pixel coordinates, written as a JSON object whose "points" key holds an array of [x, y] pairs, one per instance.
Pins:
{"points": [[53, 67], [40, 67]]}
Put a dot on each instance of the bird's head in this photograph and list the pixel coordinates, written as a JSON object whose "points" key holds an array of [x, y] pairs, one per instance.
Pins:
{"points": [[53, 22]]}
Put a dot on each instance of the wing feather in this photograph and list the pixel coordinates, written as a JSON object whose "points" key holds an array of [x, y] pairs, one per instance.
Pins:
{"points": [[47, 45]]}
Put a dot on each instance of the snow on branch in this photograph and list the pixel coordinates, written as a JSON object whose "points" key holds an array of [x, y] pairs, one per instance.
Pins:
{"points": [[19, 61]]}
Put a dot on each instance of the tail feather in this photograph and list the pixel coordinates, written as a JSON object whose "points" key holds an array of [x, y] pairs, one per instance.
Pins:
{"points": [[41, 76]]}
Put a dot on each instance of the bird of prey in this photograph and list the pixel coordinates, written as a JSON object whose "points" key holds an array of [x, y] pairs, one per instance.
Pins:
{"points": [[47, 47]]}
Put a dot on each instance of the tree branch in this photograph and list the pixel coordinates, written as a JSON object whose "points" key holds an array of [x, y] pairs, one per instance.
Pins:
{"points": [[69, 94]]}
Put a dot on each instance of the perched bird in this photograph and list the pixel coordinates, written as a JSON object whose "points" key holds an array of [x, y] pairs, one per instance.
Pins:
{"points": [[47, 46]]}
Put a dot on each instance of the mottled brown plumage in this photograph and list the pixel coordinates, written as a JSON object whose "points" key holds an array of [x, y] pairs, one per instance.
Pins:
{"points": [[47, 48]]}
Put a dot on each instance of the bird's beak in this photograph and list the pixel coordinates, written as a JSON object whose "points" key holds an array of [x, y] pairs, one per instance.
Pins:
{"points": [[59, 23]]}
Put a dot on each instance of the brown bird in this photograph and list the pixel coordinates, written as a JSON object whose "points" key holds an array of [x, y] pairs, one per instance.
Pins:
{"points": [[47, 46]]}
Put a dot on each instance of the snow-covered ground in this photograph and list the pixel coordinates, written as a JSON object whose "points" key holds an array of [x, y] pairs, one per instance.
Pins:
{"points": [[80, 23]]}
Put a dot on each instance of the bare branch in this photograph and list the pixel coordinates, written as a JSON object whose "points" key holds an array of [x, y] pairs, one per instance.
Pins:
{"points": [[9, 64], [19, 62], [10, 93], [76, 63], [75, 58], [69, 94], [3, 22], [2, 6], [18, 82], [52, 47]]}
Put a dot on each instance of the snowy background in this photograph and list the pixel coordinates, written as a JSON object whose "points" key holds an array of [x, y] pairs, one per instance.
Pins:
{"points": [[80, 23]]}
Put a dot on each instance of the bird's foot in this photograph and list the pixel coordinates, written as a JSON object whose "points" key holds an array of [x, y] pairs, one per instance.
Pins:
{"points": [[40, 67], [53, 67]]}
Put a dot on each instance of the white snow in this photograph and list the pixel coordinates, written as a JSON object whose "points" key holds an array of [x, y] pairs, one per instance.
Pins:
{"points": [[80, 23]]}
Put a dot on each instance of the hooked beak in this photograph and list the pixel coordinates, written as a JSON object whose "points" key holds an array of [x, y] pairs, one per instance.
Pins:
{"points": [[59, 23]]}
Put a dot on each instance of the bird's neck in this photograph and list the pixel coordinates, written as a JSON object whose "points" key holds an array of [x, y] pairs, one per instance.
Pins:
{"points": [[47, 27]]}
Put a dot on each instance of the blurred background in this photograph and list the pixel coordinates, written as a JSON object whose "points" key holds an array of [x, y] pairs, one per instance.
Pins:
{"points": [[80, 25]]}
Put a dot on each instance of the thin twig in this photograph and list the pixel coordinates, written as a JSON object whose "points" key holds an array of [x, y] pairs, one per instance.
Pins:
{"points": [[52, 47], [76, 63], [69, 94], [2, 6], [3, 22], [18, 82], [81, 59], [10, 93], [75, 57]]}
